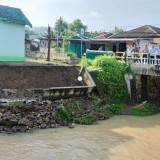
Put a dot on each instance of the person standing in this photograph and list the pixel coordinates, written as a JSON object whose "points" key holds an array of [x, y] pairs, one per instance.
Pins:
{"points": [[158, 56], [153, 52], [136, 56], [145, 50], [129, 53]]}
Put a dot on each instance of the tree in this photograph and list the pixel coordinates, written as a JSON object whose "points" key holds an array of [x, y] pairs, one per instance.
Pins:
{"points": [[117, 30], [60, 26], [77, 25], [91, 34], [28, 32]]}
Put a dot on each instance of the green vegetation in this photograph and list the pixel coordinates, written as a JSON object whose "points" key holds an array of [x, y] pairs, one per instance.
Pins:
{"points": [[53, 45], [116, 107], [86, 120], [78, 109], [108, 75], [62, 115], [87, 63], [111, 74], [68, 111], [146, 109], [71, 54], [66, 41]]}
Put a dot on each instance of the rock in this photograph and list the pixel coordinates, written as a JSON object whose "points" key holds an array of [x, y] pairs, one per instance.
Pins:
{"points": [[14, 129], [6, 129], [14, 121], [65, 123], [39, 121], [53, 114], [71, 125], [1, 120], [48, 102], [43, 126], [52, 125], [38, 115], [43, 113], [28, 128], [1, 128], [24, 121], [1, 114], [47, 120], [52, 121]]}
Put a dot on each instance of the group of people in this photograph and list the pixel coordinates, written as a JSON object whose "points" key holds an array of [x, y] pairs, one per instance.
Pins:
{"points": [[155, 54], [142, 58]]}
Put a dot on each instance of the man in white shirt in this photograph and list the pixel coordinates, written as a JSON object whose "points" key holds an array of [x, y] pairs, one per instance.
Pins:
{"points": [[153, 52], [129, 50]]}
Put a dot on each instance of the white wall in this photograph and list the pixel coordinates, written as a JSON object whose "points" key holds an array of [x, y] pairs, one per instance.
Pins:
{"points": [[12, 39]]}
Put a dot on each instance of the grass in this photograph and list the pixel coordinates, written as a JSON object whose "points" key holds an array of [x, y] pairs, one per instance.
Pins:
{"points": [[146, 109]]}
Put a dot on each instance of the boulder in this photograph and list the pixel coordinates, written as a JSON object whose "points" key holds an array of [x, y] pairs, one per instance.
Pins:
{"points": [[24, 122], [43, 126], [1, 114]]}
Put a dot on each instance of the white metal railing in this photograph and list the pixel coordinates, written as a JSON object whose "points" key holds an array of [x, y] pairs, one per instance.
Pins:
{"points": [[136, 57]]}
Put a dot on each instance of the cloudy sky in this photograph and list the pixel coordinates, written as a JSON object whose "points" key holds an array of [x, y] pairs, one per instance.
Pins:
{"points": [[96, 14]]}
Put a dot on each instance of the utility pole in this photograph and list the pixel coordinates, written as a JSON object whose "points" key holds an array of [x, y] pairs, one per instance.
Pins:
{"points": [[81, 47], [57, 34], [82, 34], [49, 42]]}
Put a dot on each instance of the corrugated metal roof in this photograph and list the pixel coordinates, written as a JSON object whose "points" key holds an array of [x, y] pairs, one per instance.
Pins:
{"points": [[13, 15], [103, 35], [146, 31]]}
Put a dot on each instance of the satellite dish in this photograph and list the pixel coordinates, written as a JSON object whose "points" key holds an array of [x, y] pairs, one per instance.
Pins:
{"points": [[79, 78]]}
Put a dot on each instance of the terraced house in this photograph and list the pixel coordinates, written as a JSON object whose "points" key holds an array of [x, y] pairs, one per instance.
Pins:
{"points": [[12, 34]]}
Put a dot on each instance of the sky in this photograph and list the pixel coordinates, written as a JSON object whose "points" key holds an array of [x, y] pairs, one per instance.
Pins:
{"points": [[100, 15]]}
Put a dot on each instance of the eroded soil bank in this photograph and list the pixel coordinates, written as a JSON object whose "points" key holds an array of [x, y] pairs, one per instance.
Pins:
{"points": [[119, 138], [30, 77]]}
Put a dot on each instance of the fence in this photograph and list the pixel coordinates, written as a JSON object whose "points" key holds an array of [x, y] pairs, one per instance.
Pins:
{"points": [[144, 58], [59, 56]]}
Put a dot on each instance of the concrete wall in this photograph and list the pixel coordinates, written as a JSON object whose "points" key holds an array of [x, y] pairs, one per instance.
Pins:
{"points": [[12, 40], [147, 88]]}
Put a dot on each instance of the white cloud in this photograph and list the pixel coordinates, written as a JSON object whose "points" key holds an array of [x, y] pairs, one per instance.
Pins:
{"points": [[94, 14]]}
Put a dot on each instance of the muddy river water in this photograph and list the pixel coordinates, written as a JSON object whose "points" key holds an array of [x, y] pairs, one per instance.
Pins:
{"points": [[119, 138]]}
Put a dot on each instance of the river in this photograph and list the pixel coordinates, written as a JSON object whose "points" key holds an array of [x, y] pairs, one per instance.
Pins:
{"points": [[119, 138]]}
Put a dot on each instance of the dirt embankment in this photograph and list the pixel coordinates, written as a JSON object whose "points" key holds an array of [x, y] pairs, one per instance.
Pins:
{"points": [[29, 77]]}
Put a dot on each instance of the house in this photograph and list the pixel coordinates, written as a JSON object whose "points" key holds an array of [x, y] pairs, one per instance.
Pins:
{"points": [[12, 34], [103, 35], [145, 35]]}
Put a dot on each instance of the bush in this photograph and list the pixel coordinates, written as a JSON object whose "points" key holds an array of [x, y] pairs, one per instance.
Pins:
{"points": [[86, 120], [116, 107], [71, 54], [86, 62], [57, 49], [70, 108], [62, 115], [111, 75], [53, 45], [146, 109]]}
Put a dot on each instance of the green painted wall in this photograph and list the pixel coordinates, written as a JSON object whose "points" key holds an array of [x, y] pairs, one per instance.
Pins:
{"points": [[76, 48], [91, 54], [12, 41], [12, 59]]}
